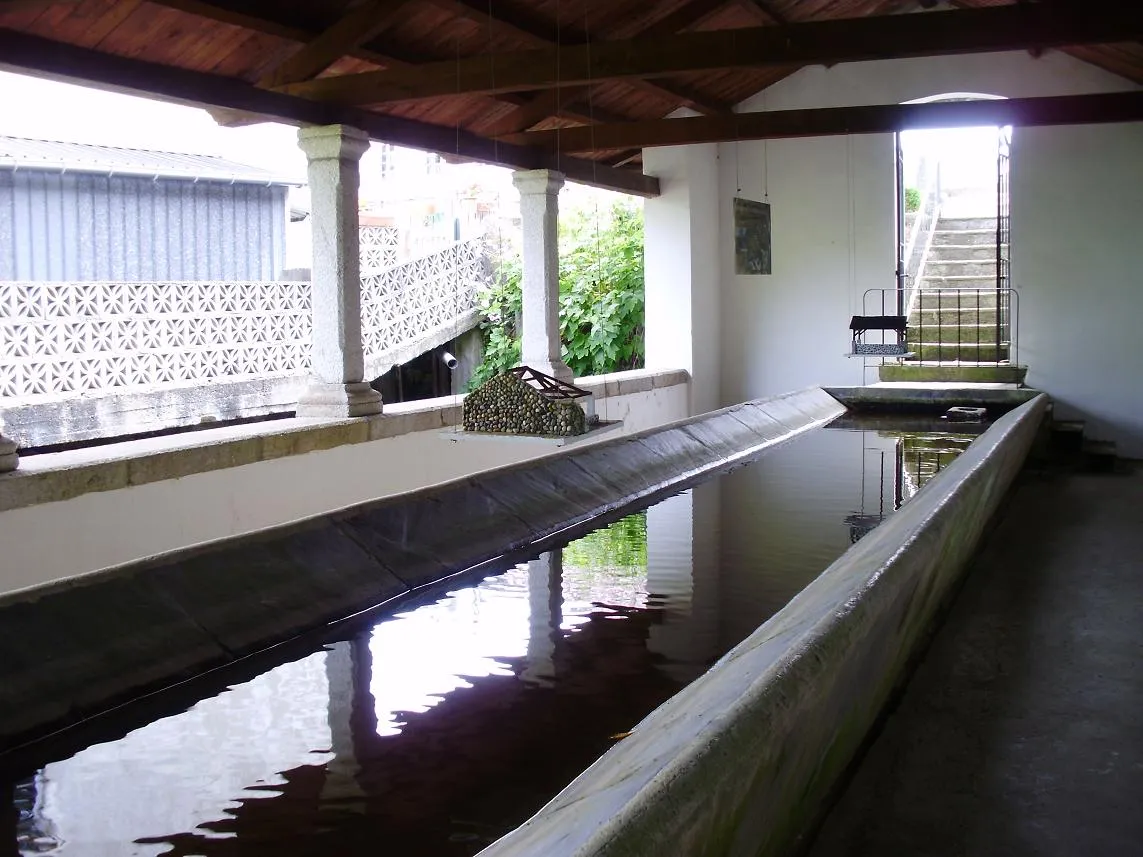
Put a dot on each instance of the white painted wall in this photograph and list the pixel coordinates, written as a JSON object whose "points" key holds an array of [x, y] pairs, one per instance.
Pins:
{"points": [[1076, 260], [53, 541], [833, 237], [682, 267]]}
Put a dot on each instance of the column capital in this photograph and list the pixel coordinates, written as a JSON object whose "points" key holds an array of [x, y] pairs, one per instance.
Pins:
{"points": [[530, 182], [332, 142]]}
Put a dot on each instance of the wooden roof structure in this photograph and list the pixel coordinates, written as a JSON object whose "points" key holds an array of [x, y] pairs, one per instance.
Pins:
{"points": [[578, 85]]}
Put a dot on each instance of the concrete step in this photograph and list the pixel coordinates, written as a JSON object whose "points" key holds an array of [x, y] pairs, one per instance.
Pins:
{"points": [[963, 299], [963, 224], [950, 316], [960, 268], [953, 373], [955, 252], [958, 282], [974, 238], [947, 331], [973, 352], [1066, 438], [1100, 456]]}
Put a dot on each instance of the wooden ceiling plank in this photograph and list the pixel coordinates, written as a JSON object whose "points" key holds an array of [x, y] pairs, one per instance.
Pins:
{"points": [[543, 34], [831, 121], [998, 28], [549, 103], [56, 60], [24, 5], [766, 7], [351, 31]]}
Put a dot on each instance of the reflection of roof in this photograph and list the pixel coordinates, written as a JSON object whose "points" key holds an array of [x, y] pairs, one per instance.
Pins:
{"points": [[22, 154]]}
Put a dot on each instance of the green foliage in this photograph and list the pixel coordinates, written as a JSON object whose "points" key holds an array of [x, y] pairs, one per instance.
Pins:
{"points": [[912, 199], [601, 296], [621, 546]]}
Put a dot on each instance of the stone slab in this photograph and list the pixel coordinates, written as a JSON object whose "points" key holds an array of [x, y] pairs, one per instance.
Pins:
{"points": [[76, 648], [742, 761], [931, 398]]}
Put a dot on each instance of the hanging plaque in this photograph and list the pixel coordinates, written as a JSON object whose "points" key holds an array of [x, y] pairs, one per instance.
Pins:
{"points": [[751, 237]]}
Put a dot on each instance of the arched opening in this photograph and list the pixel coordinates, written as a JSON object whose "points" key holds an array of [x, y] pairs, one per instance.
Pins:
{"points": [[953, 241]]}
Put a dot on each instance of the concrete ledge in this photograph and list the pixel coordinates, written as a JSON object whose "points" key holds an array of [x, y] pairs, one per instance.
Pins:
{"points": [[75, 647], [921, 372], [936, 397], [64, 475], [741, 761], [44, 423]]}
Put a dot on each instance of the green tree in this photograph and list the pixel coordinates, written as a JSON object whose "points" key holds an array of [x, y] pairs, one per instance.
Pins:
{"points": [[601, 296]]}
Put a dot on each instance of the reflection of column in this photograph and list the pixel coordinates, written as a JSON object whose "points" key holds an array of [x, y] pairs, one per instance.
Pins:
{"points": [[545, 615], [683, 574], [341, 667]]}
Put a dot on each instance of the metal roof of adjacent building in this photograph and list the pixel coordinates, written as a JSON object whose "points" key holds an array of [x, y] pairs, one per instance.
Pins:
{"points": [[56, 155]]}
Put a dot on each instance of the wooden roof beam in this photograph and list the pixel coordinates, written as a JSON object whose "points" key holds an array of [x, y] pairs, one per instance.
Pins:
{"points": [[545, 35], [552, 102], [56, 60], [999, 28], [831, 121], [360, 24]]}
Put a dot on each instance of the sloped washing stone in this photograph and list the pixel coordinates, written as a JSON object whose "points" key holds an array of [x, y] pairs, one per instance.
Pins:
{"points": [[453, 528], [623, 465], [79, 646], [558, 495], [723, 434], [274, 585]]}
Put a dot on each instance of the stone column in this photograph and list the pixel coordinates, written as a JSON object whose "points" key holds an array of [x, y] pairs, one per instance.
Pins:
{"points": [[337, 388], [9, 460], [539, 214]]}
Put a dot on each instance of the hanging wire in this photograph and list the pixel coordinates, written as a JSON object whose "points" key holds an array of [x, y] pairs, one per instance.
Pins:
{"points": [[765, 160]]}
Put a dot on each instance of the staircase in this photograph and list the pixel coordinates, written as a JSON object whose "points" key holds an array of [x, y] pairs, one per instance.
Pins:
{"points": [[953, 317]]}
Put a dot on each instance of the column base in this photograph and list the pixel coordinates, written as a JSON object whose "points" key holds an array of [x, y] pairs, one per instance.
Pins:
{"points": [[338, 401], [558, 369], [9, 458]]}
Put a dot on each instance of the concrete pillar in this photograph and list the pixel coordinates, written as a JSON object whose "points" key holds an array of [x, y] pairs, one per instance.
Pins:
{"points": [[337, 388], [539, 215], [682, 262], [9, 460], [545, 615]]}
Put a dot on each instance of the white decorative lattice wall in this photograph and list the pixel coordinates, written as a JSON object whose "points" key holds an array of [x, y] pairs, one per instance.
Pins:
{"points": [[59, 340], [380, 248], [93, 337], [404, 303]]}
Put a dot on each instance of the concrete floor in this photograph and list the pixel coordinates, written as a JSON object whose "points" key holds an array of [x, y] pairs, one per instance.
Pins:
{"points": [[1021, 732]]}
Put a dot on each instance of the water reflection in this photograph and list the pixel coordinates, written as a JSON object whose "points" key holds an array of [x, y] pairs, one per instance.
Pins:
{"points": [[440, 728]]}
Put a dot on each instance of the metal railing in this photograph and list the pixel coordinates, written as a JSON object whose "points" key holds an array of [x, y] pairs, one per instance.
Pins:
{"points": [[955, 325], [920, 237]]}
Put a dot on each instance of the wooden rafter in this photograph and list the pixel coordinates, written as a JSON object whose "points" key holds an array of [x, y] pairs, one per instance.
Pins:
{"points": [[883, 37], [360, 24], [545, 35], [38, 55], [821, 122], [249, 17], [766, 7]]}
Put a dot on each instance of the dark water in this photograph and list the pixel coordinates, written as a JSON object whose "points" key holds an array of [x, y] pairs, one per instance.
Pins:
{"points": [[434, 731]]}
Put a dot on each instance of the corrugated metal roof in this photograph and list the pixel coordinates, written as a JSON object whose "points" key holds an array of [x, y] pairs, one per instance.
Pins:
{"points": [[26, 154]]}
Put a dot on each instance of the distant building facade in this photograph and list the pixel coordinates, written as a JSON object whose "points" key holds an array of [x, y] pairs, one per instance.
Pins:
{"points": [[78, 212]]}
